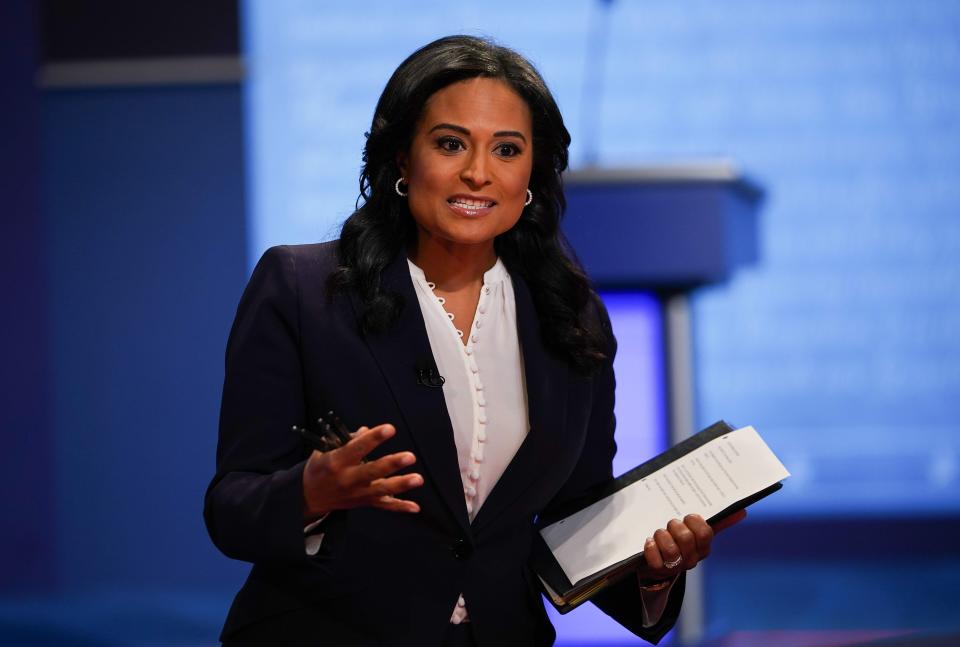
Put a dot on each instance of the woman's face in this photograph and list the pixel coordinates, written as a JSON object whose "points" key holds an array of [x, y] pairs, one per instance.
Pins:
{"points": [[469, 163]]}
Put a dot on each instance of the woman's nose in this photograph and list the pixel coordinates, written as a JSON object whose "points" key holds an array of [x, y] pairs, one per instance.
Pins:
{"points": [[475, 172]]}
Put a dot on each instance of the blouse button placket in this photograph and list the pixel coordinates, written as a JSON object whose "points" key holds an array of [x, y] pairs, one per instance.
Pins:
{"points": [[480, 422], [443, 304], [471, 487]]}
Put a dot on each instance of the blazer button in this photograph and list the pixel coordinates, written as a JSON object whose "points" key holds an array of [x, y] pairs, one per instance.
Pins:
{"points": [[462, 549]]}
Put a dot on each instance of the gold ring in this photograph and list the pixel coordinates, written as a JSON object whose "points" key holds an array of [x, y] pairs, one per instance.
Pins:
{"points": [[674, 563]]}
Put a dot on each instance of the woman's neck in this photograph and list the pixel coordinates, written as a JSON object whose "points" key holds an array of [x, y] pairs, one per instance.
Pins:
{"points": [[453, 266]]}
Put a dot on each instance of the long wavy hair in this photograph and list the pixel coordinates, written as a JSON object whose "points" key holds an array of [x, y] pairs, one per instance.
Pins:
{"points": [[572, 324]]}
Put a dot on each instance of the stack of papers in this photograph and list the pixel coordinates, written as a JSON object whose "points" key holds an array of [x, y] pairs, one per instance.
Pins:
{"points": [[599, 539]]}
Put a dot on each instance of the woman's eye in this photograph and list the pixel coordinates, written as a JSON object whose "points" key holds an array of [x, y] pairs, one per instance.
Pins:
{"points": [[450, 144], [507, 150]]}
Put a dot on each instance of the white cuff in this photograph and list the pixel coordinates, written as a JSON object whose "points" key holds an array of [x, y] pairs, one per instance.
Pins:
{"points": [[312, 542], [310, 526]]}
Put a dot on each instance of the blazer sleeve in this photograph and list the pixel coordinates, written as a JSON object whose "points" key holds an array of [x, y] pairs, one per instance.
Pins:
{"points": [[621, 601], [253, 508]]}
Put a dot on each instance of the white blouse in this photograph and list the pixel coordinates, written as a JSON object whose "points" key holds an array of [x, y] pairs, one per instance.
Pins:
{"points": [[484, 386], [488, 370]]}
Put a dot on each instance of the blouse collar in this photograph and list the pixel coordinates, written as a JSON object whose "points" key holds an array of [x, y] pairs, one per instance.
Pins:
{"points": [[495, 274]]}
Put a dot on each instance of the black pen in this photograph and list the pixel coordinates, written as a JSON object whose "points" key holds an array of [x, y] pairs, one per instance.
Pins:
{"points": [[337, 427], [328, 436], [313, 439]]}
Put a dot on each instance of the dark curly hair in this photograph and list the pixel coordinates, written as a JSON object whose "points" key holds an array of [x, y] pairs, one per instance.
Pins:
{"points": [[535, 248]]}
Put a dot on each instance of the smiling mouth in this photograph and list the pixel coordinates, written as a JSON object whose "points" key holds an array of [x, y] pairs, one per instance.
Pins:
{"points": [[467, 203]]}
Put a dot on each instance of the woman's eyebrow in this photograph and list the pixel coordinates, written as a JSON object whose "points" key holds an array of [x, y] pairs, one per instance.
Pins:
{"points": [[510, 133], [465, 131]]}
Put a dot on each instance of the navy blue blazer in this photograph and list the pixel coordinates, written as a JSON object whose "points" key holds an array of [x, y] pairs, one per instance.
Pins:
{"points": [[383, 578]]}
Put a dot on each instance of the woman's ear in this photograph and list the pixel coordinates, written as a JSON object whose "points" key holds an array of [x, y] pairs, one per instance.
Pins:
{"points": [[401, 161]]}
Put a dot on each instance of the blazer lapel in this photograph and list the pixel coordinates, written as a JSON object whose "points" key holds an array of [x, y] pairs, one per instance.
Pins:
{"points": [[548, 383], [399, 351]]}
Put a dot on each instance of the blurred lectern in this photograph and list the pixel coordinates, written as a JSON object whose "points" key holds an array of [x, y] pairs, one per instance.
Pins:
{"points": [[666, 230]]}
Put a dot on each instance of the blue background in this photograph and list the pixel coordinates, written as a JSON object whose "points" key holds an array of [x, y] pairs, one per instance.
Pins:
{"points": [[843, 344], [131, 218]]}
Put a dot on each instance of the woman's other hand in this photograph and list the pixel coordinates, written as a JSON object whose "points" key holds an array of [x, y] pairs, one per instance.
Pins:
{"points": [[339, 479], [681, 546]]}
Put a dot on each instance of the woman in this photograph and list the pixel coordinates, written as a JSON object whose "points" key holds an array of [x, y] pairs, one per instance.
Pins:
{"points": [[451, 328]]}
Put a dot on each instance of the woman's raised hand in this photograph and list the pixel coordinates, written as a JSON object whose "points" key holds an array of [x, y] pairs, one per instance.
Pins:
{"points": [[339, 479]]}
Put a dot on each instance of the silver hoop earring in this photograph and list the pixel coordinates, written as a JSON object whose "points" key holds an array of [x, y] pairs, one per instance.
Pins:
{"points": [[529, 198], [396, 187]]}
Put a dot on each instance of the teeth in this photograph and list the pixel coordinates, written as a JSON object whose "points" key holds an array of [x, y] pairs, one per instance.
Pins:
{"points": [[471, 204]]}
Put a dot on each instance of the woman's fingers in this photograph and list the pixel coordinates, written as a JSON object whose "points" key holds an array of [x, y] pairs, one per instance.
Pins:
{"points": [[393, 485], [702, 532], [679, 547], [652, 554], [686, 541], [380, 493], [669, 550], [394, 504], [364, 442], [383, 466], [340, 479]]}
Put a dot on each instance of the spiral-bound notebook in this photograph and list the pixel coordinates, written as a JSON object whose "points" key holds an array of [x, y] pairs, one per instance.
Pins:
{"points": [[599, 538]]}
